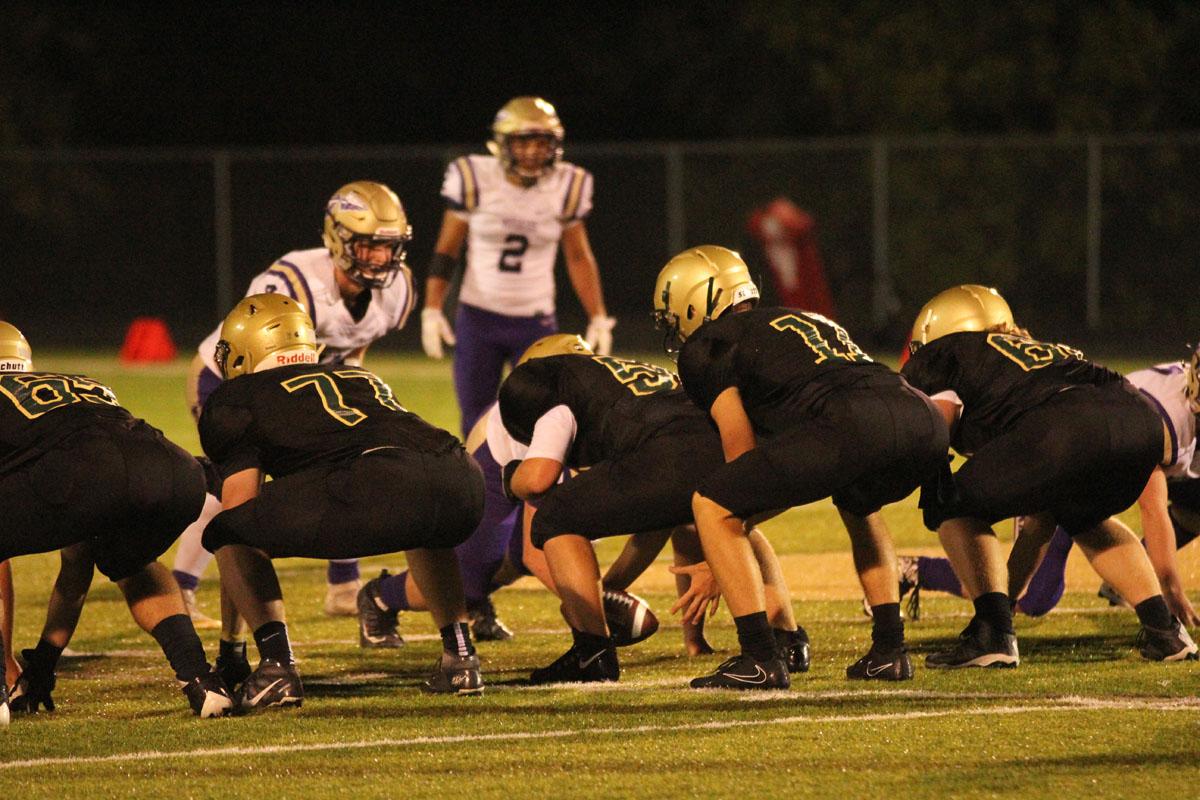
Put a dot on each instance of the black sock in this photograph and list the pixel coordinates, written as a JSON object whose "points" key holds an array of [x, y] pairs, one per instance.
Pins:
{"points": [[42, 659], [591, 642], [272, 641], [755, 636], [456, 639], [232, 652], [995, 609], [1153, 613], [179, 642], [887, 629]]}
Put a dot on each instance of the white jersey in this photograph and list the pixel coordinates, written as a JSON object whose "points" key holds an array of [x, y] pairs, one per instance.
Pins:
{"points": [[307, 277], [1164, 386], [514, 231]]}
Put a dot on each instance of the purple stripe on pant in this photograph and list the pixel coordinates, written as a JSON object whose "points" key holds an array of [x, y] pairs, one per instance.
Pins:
{"points": [[480, 556], [487, 340]]}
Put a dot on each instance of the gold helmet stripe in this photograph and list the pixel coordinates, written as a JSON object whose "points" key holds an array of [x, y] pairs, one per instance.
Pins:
{"points": [[470, 185], [296, 284], [574, 194]]}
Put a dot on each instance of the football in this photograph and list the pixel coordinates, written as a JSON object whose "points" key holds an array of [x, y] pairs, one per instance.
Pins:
{"points": [[629, 617]]}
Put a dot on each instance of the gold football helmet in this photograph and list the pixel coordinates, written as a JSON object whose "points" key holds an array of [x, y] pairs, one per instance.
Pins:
{"points": [[1192, 375], [15, 354], [526, 117], [262, 325], [696, 286], [970, 307], [362, 217], [556, 344]]}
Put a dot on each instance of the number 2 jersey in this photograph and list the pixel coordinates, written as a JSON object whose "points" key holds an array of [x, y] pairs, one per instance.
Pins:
{"points": [[40, 409], [287, 419], [782, 361], [998, 377], [513, 231], [617, 403]]}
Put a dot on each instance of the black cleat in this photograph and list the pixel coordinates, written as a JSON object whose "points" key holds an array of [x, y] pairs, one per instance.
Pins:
{"points": [[746, 672], [794, 649], [455, 675], [272, 684], [376, 624], [485, 626], [979, 645], [579, 666], [233, 669], [4, 713], [33, 688], [1171, 644], [208, 696], [888, 665]]}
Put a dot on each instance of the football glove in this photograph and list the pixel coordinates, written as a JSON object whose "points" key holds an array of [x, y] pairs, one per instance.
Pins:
{"points": [[599, 334], [507, 473], [32, 690], [435, 330]]}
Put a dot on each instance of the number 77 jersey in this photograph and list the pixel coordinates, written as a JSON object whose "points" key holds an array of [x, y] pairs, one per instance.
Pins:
{"points": [[291, 418]]}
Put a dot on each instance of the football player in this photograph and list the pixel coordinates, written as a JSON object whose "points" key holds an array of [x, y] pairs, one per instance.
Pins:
{"points": [[354, 474], [1169, 507], [356, 288], [1049, 435], [79, 473], [803, 414], [511, 208], [641, 448]]}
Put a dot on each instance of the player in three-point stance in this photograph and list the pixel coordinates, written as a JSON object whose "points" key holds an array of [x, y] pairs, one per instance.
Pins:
{"points": [[803, 414], [1048, 435], [79, 473], [354, 474]]}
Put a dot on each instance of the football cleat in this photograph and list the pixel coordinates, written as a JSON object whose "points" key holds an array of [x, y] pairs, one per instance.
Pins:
{"points": [[1107, 592], [1169, 644], [376, 624], [889, 665], [208, 696], [233, 669], [794, 649], [200, 620], [485, 625], [272, 684], [32, 688], [744, 672], [341, 599], [580, 666], [629, 617], [455, 675], [979, 645]]}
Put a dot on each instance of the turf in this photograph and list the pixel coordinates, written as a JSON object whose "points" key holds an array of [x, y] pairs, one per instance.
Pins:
{"points": [[1083, 713]]}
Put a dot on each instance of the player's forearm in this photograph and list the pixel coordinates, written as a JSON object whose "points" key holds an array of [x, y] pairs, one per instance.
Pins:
{"points": [[585, 278], [435, 292], [1157, 529]]}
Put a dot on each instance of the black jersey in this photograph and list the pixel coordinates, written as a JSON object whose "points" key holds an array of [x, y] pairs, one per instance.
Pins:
{"points": [[290, 418], [781, 360], [617, 403], [998, 377], [40, 409]]}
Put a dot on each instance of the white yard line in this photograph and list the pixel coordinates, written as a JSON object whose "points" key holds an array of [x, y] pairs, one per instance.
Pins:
{"points": [[1067, 704]]}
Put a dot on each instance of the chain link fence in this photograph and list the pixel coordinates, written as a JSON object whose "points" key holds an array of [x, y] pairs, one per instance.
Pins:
{"points": [[1091, 239]]}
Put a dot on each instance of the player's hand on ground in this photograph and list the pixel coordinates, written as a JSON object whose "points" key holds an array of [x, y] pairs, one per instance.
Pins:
{"points": [[599, 334], [1180, 605], [702, 593], [435, 331]]}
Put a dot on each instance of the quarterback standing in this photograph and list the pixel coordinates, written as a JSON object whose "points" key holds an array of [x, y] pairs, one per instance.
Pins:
{"points": [[511, 209], [356, 288]]}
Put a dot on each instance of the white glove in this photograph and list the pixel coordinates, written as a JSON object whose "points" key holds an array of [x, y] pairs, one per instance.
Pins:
{"points": [[599, 334], [434, 331]]}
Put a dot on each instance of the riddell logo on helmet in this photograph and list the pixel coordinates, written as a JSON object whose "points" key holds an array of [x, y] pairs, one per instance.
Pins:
{"points": [[297, 358]]}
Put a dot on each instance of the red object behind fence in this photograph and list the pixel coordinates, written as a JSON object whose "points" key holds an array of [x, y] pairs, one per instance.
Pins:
{"points": [[147, 341], [787, 235]]}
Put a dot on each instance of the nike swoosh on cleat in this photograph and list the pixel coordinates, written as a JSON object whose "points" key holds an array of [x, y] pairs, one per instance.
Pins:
{"points": [[258, 697], [584, 664], [871, 673], [760, 676]]}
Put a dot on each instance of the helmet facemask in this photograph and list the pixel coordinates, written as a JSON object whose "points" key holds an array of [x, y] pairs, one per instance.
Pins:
{"points": [[364, 220], [365, 271], [524, 119]]}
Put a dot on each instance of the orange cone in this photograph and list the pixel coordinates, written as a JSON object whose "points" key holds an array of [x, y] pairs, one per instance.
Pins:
{"points": [[147, 341]]}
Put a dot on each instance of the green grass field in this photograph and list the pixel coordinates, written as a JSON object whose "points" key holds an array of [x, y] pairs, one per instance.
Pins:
{"points": [[1084, 714]]}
